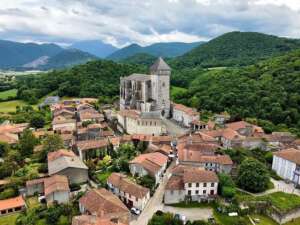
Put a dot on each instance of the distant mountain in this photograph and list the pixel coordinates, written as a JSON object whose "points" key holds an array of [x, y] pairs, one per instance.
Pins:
{"points": [[140, 59], [65, 58], [169, 50], [14, 54], [97, 48], [236, 49]]}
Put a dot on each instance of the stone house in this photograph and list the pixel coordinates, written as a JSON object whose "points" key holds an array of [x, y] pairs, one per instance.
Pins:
{"points": [[184, 115], [203, 155], [64, 162], [190, 183], [132, 194], [103, 203], [60, 123], [91, 148], [153, 164], [55, 188]]}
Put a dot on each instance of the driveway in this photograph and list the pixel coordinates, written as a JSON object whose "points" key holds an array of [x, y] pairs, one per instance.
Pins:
{"points": [[155, 203], [191, 213]]}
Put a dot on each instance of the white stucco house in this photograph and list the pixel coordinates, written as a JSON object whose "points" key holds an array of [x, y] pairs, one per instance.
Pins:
{"points": [[184, 115], [190, 183], [286, 163], [132, 194], [152, 164]]}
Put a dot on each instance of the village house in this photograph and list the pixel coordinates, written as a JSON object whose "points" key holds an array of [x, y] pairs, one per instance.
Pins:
{"points": [[66, 113], [12, 205], [55, 188], [245, 129], [189, 183], [64, 162], [197, 125], [91, 148], [103, 203], [153, 164], [10, 133], [184, 115], [286, 163], [203, 155], [145, 92], [60, 123], [136, 122], [93, 220], [132, 194], [90, 114]]}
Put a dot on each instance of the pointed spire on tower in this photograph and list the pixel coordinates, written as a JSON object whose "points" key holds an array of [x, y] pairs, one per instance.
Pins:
{"points": [[159, 65]]}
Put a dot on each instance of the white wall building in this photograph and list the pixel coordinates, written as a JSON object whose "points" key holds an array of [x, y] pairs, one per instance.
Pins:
{"points": [[184, 115], [189, 183], [133, 195], [135, 122], [286, 163]]}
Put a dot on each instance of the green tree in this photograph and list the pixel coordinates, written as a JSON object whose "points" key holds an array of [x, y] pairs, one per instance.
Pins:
{"points": [[51, 144], [253, 176], [4, 147], [37, 121], [27, 142]]}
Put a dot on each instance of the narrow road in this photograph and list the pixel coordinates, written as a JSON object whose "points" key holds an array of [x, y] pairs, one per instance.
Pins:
{"points": [[174, 129], [155, 203]]}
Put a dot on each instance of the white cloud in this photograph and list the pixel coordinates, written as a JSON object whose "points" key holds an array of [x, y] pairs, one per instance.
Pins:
{"points": [[120, 22]]}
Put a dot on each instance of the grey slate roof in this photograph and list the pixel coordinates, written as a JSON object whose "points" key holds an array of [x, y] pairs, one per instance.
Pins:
{"points": [[139, 77], [151, 115], [159, 64], [65, 162]]}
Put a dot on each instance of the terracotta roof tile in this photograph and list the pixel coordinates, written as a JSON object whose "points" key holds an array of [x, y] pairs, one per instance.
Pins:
{"points": [[289, 154], [12, 203], [175, 183], [124, 184], [189, 111], [92, 144], [56, 183], [196, 175], [101, 202], [92, 220]]}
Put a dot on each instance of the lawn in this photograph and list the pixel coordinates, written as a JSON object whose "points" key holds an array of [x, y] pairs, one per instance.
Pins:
{"points": [[229, 220], [9, 219], [191, 205], [10, 106], [284, 201], [9, 93], [295, 222], [264, 220]]}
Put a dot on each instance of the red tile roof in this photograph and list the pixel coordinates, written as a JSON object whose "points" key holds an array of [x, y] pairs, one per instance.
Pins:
{"points": [[92, 220], [129, 113], [198, 175], [124, 184], [175, 183], [101, 202], [92, 144], [59, 153], [189, 111], [56, 183], [12, 203], [289, 154]]}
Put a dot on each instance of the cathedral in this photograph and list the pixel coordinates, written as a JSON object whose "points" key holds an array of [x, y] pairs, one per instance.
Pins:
{"points": [[147, 92]]}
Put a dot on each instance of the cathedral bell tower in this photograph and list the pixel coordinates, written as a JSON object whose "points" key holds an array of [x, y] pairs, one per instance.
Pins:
{"points": [[160, 78]]}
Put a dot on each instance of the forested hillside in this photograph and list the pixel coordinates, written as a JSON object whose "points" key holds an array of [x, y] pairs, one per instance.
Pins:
{"points": [[235, 49], [93, 79], [269, 90]]}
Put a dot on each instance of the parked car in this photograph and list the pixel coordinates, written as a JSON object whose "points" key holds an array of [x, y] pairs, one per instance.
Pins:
{"points": [[135, 211]]}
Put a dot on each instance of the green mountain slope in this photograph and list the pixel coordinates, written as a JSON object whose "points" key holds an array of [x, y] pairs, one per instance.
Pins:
{"points": [[236, 49], [140, 59], [14, 54], [67, 58], [269, 90], [169, 50]]}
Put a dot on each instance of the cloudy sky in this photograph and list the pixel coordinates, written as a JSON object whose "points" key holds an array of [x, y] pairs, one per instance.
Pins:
{"points": [[121, 22]]}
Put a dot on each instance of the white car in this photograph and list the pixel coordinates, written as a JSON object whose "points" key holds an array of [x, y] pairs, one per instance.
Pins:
{"points": [[135, 211]]}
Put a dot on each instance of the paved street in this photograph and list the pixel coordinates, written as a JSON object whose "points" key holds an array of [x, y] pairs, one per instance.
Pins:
{"points": [[155, 203], [174, 129], [191, 213]]}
